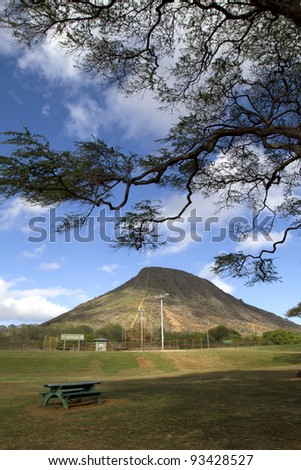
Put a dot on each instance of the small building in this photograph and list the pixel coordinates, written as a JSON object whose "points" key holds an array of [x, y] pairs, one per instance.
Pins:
{"points": [[101, 344]]}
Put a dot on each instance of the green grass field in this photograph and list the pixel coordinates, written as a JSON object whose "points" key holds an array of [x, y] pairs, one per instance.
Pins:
{"points": [[202, 399]]}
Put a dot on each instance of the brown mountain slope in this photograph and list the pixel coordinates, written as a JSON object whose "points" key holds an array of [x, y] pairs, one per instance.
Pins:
{"points": [[190, 303]]}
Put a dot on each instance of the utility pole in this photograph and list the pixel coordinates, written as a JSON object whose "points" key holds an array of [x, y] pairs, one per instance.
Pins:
{"points": [[161, 297], [123, 335], [142, 312], [207, 326]]}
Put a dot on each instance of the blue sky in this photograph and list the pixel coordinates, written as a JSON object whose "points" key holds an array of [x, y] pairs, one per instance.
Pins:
{"points": [[44, 276]]}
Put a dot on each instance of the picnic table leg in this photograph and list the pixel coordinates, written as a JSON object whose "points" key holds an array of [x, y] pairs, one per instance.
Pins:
{"points": [[100, 398], [65, 402], [47, 396]]}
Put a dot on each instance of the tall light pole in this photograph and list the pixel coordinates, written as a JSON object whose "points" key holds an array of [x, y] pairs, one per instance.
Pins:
{"points": [[207, 325], [161, 297], [142, 312]]}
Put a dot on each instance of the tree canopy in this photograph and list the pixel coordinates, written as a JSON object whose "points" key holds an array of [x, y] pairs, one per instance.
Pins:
{"points": [[230, 68], [294, 311]]}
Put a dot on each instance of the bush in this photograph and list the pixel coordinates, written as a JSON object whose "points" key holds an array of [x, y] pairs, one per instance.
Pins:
{"points": [[222, 332], [281, 337], [111, 331]]}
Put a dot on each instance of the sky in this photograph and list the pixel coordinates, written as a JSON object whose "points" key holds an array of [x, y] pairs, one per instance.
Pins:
{"points": [[43, 274]]}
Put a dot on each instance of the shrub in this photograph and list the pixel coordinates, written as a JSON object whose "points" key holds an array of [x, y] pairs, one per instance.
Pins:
{"points": [[281, 337]]}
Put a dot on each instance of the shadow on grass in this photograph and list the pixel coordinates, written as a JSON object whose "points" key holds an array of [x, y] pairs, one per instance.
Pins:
{"points": [[219, 410], [214, 410], [289, 358]]}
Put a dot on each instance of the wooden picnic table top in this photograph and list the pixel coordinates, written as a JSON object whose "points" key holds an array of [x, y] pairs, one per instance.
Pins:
{"points": [[73, 384]]}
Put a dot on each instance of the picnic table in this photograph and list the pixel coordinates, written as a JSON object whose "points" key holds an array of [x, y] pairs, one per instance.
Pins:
{"points": [[72, 392]]}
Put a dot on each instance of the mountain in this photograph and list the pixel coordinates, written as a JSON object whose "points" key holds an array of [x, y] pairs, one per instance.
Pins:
{"points": [[190, 304]]}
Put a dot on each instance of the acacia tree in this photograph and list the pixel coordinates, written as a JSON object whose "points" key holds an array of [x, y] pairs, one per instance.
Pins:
{"points": [[230, 68], [294, 311]]}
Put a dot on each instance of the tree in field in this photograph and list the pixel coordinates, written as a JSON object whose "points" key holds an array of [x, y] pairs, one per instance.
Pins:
{"points": [[230, 68], [222, 332]]}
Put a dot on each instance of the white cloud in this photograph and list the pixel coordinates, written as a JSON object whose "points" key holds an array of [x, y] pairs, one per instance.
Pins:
{"points": [[8, 45], [49, 266], [222, 285], [206, 273], [16, 213], [35, 253], [200, 223], [85, 117], [46, 110], [50, 61], [9, 213], [32, 305], [29, 309], [49, 292], [136, 117], [109, 268], [261, 241], [177, 244]]}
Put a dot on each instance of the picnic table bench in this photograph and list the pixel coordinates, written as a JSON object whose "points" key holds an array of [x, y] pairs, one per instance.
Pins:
{"points": [[68, 392]]}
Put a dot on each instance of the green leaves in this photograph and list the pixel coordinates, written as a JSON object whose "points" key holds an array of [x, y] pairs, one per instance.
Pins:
{"points": [[44, 176], [241, 265], [295, 311], [139, 229]]}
